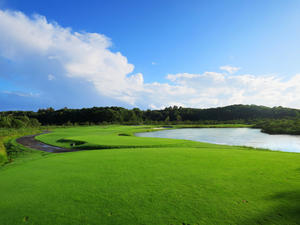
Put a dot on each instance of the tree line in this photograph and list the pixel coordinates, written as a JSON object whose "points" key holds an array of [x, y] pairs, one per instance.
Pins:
{"points": [[14, 121], [283, 126], [249, 114]]}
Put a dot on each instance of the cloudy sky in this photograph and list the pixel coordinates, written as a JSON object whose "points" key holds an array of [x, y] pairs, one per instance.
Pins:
{"points": [[149, 54]]}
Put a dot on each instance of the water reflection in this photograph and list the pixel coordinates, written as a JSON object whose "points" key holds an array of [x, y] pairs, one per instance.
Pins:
{"points": [[232, 136]]}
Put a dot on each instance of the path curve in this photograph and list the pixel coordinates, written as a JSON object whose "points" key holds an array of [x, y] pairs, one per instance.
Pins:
{"points": [[30, 142]]}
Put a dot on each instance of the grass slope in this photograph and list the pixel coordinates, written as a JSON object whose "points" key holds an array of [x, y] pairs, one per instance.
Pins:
{"points": [[3, 155], [7, 136], [199, 184]]}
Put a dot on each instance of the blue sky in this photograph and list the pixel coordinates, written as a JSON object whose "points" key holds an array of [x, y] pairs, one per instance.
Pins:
{"points": [[149, 54]]}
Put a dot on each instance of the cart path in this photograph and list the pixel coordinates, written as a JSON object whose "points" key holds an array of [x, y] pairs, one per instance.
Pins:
{"points": [[30, 142]]}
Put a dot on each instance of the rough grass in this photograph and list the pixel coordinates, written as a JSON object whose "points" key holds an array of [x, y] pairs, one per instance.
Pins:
{"points": [[7, 136], [3, 155], [198, 184]]}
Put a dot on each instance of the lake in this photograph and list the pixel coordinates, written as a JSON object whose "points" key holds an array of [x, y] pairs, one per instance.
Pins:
{"points": [[232, 136]]}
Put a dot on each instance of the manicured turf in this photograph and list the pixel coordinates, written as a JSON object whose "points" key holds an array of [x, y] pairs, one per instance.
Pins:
{"points": [[199, 184], [107, 137]]}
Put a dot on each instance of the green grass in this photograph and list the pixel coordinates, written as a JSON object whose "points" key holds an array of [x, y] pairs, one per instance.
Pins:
{"points": [[18, 154], [7, 136], [115, 136], [3, 155], [96, 137], [166, 184]]}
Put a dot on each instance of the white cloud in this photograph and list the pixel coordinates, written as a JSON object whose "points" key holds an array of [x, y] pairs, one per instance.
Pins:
{"points": [[214, 89], [154, 107], [51, 77], [87, 59], [153, 63], [21, 94], [175, 77], [230, 69], [81, 55]]}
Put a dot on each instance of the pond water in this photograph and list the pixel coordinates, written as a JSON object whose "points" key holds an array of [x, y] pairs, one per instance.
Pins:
{"points": [[232, 136]]}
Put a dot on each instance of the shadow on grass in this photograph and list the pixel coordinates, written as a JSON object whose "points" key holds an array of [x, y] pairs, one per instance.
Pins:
{"points": [[287, 211], [103, 147], [75, 142]]}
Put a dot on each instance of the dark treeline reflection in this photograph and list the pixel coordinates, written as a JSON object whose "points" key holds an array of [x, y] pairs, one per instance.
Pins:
{"points": [[271, 120]]}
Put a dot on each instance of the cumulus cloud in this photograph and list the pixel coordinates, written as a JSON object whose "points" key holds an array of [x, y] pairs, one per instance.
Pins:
{"points": [[216, 89], [80, 55], [79, 69], [230, 69]]}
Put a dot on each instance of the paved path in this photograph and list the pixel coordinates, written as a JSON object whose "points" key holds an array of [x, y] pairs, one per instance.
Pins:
{"points": [[30, 142]]}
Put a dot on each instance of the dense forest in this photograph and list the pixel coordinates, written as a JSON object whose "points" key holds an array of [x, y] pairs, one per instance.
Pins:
{"points": [[271, 120], [14, 121], [100, 115], [284, 126]]}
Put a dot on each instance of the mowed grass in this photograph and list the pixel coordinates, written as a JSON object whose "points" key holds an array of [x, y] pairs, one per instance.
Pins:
{"points": [[199, 184], [96, 137]]}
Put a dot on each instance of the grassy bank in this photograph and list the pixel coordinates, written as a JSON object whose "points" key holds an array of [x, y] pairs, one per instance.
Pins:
{"points": [[9, 149], [3, 155], [107, 137], [115, 136], [150, 181]]}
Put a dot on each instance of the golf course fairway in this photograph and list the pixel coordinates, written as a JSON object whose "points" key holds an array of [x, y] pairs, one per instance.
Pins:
{"points": [[130, 180]]}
